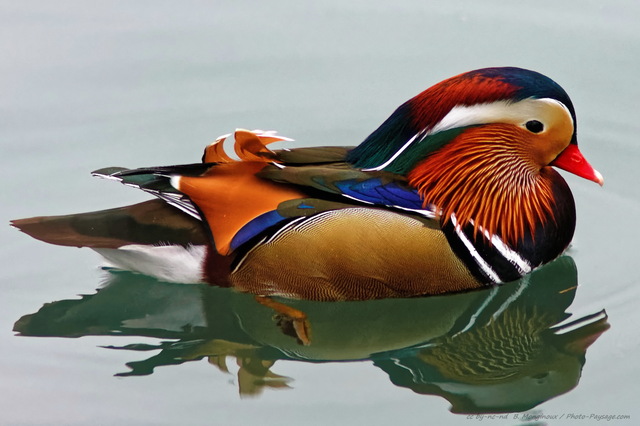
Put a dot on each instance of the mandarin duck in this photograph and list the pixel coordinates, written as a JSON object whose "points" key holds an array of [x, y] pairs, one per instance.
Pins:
{"points": [[454, 191]]}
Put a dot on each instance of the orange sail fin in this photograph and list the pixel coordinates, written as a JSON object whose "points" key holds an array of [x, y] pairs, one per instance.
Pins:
{"points": [[230, 195]]}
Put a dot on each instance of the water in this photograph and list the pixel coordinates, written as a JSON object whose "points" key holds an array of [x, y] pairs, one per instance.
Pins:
{"points": [[91, 85]]}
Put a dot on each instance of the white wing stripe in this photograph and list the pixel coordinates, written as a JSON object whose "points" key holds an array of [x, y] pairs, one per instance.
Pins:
{"points": [[394, 156]]}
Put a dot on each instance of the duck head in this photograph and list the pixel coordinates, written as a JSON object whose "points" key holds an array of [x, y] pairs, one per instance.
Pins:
{"points": [[481, 146]]}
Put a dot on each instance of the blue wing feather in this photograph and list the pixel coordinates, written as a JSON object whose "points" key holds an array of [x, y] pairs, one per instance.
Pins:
{"points": [[257, 226], [375, 191]]}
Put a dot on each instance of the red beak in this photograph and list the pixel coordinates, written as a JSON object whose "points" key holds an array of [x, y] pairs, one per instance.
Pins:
{"points": [[572, 160]]}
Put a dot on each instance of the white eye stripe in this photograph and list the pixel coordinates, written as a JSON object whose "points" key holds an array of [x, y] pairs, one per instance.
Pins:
{"points": [[504, 111], [495, 112]]}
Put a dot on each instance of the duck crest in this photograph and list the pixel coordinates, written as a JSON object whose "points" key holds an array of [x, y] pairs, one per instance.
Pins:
{"points": [[415, 123], [478, 179]]}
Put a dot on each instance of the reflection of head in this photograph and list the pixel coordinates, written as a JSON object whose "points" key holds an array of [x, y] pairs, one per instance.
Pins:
{"points": [[511, 364], [501, 350]]}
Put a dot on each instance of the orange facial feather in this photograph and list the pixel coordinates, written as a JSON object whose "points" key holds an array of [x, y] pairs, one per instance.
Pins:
{"points": [[488, 176]]}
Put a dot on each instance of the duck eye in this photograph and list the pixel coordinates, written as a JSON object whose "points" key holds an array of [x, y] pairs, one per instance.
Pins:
{"points": [[534, 126]]}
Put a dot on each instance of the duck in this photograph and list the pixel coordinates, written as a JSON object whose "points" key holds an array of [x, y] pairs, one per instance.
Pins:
{"points": [[456, 190]]}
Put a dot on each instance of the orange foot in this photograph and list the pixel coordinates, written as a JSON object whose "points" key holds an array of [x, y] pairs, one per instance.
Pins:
{"points": [[291, 321]]}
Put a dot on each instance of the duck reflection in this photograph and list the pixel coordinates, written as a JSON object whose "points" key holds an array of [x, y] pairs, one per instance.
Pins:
{"points": [[503, 349]]}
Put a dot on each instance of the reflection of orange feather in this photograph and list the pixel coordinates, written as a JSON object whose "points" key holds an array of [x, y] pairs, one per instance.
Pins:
{"points": [[230, 195]]}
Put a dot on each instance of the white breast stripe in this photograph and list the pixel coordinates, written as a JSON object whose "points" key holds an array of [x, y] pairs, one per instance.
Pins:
{"points": [[512, 256], [488, 271]]}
